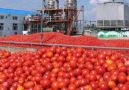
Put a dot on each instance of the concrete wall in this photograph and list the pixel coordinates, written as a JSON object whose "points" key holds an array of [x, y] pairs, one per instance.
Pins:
{"points": [[126, 12], [110, 11], [126, 15], [17, 49]]}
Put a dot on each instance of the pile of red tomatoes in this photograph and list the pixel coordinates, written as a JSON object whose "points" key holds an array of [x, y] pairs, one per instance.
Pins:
{"points": [[62, 68], [59, 38]]}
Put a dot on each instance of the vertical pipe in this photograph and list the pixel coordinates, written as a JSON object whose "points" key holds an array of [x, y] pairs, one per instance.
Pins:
{"points": [[42, 14], [85, 24], [76, 27], [80, 25], [83, 20], [37, 26]]}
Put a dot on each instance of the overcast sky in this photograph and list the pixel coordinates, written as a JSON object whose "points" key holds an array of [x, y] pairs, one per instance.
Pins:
{"points": [[89, 5]]}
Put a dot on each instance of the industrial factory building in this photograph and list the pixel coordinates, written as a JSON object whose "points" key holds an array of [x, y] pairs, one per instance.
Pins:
{"points": [[55, 18], [113, 14], [113, 19], [11, 21]]}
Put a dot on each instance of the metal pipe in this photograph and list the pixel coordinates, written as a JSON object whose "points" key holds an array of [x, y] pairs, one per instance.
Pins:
{"points": [[83, 20], [82, 46], [42, 14], [80, 25]]}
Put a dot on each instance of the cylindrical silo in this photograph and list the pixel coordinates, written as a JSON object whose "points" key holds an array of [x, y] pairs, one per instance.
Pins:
{"points": [[69, 4], [75, 4], [57, 4], [51, 4]]}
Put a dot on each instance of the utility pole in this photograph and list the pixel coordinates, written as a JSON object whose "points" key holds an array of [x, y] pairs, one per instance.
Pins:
{"points": [[42, 14]]}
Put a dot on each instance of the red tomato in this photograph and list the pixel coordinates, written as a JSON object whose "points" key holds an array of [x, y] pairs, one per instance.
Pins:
{"points": [[58, 50], [122, 78], [62, 85], [77, 71], [64, 53], [28, 84], [89, 66], [101, 70], [49, 66], [111, 84], [106, 76], [94, 85], [60, 59], [72, 87], [20, 88], [3, 88], [103, 86], [124, 87], [37, 79], [55, 85], [88, 87], [92, 77], [49, 54], [73, 64], [45, 83], [38, 87]]}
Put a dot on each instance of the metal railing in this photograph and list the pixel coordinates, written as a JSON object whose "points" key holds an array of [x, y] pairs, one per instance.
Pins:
{"points": [[66, 45]]}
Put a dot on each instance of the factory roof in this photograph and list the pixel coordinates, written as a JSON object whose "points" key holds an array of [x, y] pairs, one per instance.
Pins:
{"points": [[12, 11]]}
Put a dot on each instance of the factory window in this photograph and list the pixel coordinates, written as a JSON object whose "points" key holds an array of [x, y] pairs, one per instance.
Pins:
{"points": [[15, 26], [99, 22], [126, 22], [119, 22], [25, 27], [1, 26], [113, 22], [106, 23], [1, 17], [15, 17]]}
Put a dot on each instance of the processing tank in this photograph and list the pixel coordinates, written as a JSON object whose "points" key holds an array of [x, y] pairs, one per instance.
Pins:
{"points": [[51, 4], [72, 4]]}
